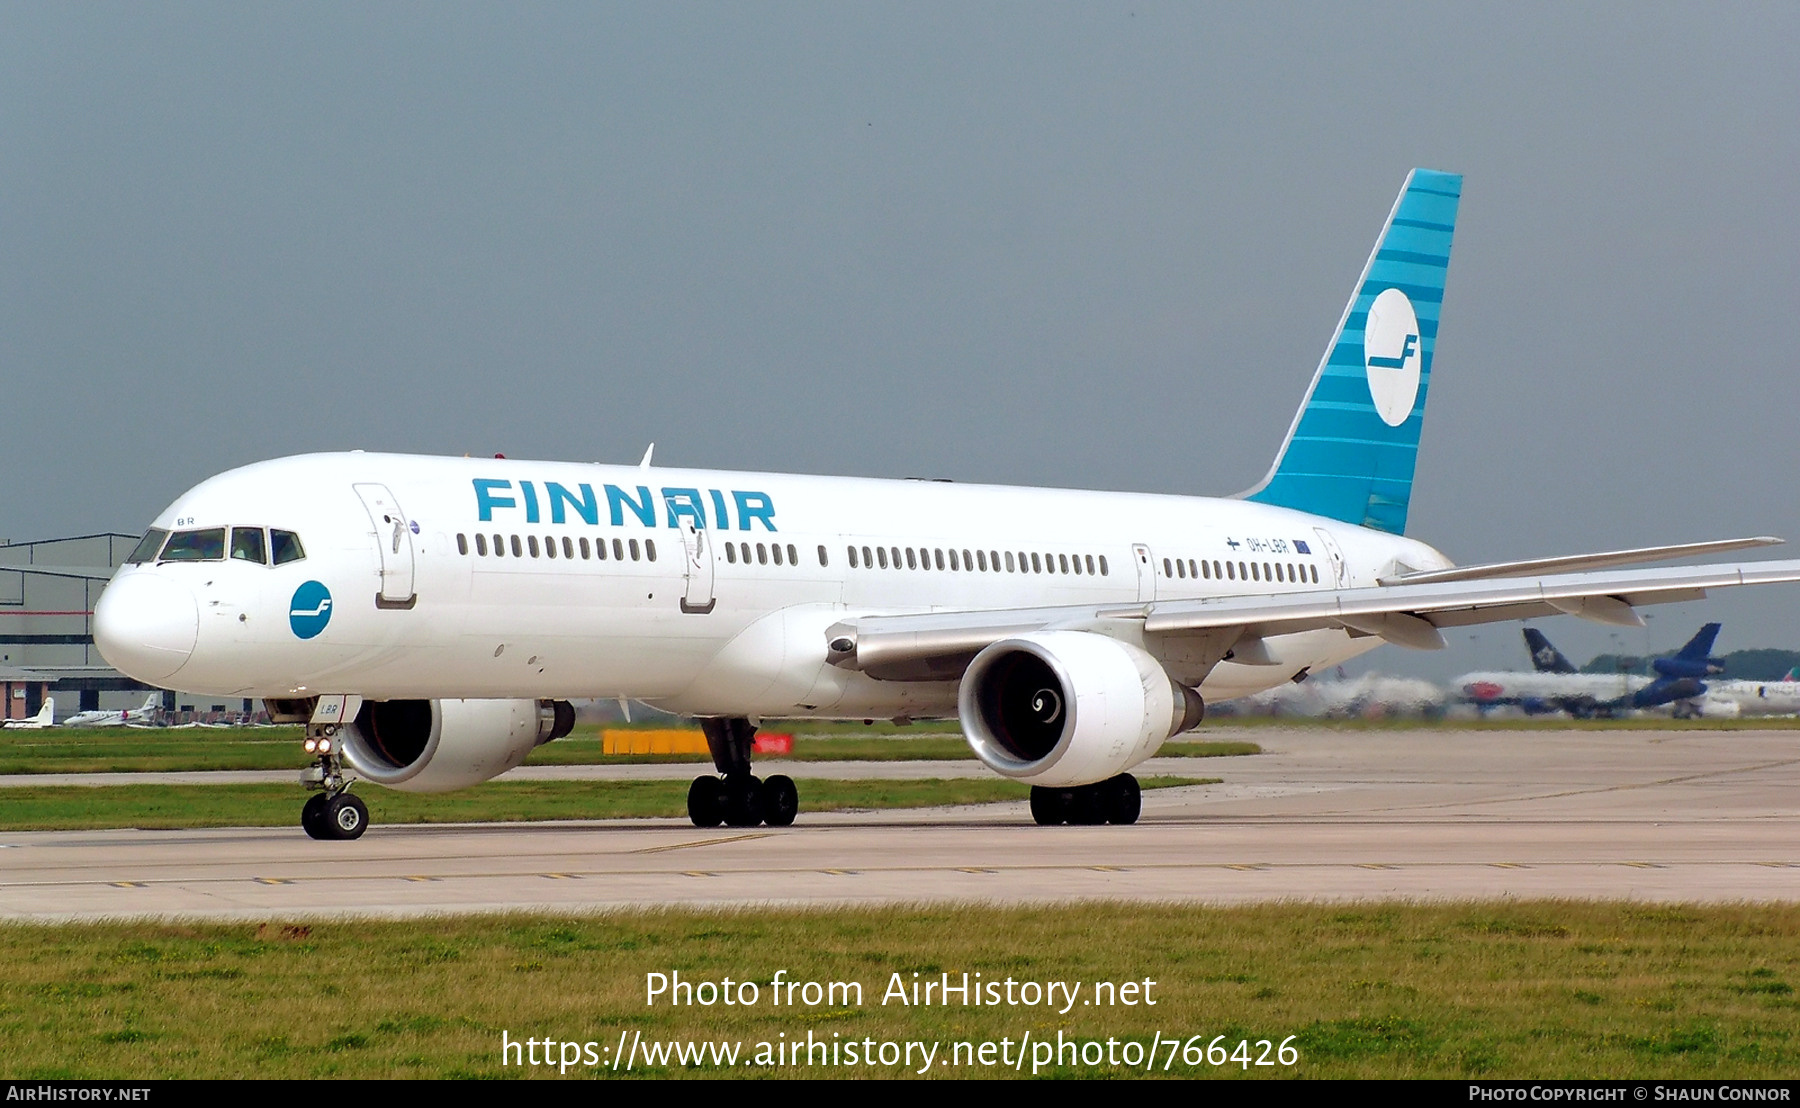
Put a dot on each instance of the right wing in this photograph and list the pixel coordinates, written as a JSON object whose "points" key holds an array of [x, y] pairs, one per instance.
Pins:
{"points": [[937, 645]]}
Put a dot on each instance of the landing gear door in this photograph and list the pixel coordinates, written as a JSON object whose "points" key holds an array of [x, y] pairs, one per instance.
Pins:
{"points": [[699, 599], [1146, 571], [394, 541]]}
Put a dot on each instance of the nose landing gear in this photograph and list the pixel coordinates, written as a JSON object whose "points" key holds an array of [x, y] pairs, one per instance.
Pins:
{"points": [[332, 812], [737, 798]]}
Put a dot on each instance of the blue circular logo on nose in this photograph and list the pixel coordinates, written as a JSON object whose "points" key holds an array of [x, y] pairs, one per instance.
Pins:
{"points": [[310, 610]]}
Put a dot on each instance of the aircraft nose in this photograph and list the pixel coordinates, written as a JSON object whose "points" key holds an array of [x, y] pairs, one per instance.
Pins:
{"points": [[146, 625]]}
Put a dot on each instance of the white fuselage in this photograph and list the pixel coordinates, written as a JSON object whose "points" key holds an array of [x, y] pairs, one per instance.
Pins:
{"points": [[1752, 698], [728, 616]]}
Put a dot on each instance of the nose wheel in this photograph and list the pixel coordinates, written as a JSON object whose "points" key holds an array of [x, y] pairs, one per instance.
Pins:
{"points": [[332, 812]]}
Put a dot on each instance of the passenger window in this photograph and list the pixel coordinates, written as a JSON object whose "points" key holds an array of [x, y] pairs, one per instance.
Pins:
{"points": [[1009, 562], [247, 544], [585, 553], [635, 553], [895, 551], [981, 560], [1104, 572], [731, 553], [196, 546], [650, 550], [911, 562], [462, 543], [881, 552], [794, 555], [600, 549], [938, 557], [762, 554], [147, 547], [481, 544], [1315, 575], [968, 562], [1265, 575], [1230, 572], [619, 549], [549, 546], [775, 552], [853, 559], [531, 541], [955, 563], [822, 560], [868, 562], [568, 547]]}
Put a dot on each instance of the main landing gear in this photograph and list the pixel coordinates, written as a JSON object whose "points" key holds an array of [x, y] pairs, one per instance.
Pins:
{"points": [[737, 798], [331, 813], [1114, 800]]}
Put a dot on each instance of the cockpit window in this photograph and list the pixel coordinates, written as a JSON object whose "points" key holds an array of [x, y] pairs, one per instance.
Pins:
{"points": [[247, 544], [196, 546], [285, 545], [147, 547]]}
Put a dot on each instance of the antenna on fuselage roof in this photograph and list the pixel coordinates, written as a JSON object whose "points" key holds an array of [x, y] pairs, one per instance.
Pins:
{"points": [[649, 450], [625, 709]]}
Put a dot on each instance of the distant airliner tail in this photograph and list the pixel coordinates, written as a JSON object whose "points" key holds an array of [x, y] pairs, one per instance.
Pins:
{"points": [[1699, 648], [1544, 657], [1350, 452]]}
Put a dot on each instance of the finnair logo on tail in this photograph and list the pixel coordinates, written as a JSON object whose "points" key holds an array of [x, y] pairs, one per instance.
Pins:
{"points": [[310, 610], [1391, 356]]}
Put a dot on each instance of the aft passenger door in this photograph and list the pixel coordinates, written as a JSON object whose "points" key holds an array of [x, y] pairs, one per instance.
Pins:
{"points": [[699, 599], [1340, 572], [394, 541]]}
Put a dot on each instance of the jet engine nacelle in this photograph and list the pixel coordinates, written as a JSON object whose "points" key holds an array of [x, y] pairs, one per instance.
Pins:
{"points": [[1069, 707], [434, 746]]}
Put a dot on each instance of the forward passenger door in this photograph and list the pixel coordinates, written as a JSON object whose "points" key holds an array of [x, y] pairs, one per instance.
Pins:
{"points": [[394, 542]]}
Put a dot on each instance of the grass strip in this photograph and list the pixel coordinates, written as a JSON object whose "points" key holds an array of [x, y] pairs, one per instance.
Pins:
{"points": [[140, 750], [1494, 990], [66, 808]]}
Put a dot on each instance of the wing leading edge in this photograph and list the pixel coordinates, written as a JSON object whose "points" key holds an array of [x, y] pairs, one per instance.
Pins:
{"points": [[936, 645]]}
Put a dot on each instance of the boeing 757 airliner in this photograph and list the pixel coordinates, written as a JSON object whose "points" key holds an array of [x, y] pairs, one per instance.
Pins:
{"points": [[429, 619]]}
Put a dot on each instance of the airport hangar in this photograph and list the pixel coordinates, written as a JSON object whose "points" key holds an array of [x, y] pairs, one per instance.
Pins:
{"points": [[47, 592]]}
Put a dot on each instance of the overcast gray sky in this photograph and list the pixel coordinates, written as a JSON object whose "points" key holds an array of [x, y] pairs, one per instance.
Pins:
{"points": [[1099, 245]]}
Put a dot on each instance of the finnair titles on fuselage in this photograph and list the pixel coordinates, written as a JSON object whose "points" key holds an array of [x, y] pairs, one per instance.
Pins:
{"points": [[429, 618]]}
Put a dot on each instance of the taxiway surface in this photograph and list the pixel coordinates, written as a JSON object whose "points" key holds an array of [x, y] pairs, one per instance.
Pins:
{"points": [[1322, 815]]}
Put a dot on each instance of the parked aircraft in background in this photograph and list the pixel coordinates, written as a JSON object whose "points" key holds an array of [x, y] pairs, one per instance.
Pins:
{"points": [[1733, 699], [1555, 685], [45, 717], [140, 716], [429, 618]]}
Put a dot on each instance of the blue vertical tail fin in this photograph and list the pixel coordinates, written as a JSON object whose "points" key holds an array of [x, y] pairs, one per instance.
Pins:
{"points": [[1699, 648], [1544, 657], [1350, 452]]}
